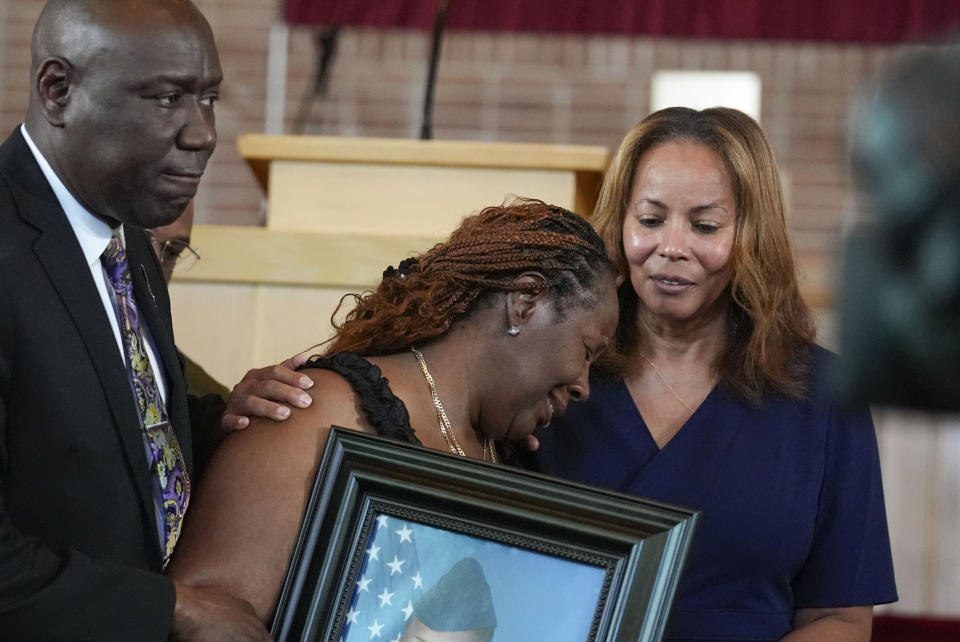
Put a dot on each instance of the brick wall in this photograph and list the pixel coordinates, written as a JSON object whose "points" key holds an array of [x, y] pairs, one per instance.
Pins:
{"points": [[510, 87], [590, 90]]}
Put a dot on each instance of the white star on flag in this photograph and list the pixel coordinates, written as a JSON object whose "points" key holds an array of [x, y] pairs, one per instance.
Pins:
{"points": [[384, 595], [396, 566]]}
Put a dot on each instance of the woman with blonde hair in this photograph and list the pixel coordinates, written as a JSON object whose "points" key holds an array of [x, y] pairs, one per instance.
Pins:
{"points": [[715, 396]]}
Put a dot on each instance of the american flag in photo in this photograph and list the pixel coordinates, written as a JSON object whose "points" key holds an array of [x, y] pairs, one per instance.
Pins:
{"points": [[388, 586]]}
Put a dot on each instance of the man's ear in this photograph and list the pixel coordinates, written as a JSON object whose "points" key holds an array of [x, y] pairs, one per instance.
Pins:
{"points": [[521, 304], [54, 76]]}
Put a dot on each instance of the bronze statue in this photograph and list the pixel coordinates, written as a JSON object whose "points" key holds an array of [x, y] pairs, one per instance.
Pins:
{"points": [[900, 305]]}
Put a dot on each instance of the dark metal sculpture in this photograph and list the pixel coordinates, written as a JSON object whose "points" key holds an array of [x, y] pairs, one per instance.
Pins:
{"points": [[900, 304]]}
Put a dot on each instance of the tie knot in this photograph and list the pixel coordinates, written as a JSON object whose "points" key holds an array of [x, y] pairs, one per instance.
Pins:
{"points": [[114, 253], [114, 260]]}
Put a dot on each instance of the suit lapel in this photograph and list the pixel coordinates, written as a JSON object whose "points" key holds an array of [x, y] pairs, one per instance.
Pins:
{"points": [[59, 253]]}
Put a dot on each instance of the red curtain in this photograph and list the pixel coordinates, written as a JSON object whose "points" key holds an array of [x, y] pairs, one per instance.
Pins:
{"points": [[894, 628], [818, 20]]}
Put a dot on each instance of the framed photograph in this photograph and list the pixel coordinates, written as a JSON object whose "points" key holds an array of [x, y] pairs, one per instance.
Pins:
{"points": [[400, 542]]}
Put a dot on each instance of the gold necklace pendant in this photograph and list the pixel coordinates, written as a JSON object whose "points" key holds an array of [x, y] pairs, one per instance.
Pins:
{"points": [[489, 449], [445, 427]]}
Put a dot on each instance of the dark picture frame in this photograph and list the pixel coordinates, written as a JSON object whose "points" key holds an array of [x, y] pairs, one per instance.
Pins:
{"points": [[628, 551]]}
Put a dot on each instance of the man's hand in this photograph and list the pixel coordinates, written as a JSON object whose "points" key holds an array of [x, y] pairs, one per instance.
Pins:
{"points": [[207, 615], [263, 391]]}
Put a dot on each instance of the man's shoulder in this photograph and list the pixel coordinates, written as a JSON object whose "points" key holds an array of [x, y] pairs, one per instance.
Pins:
{"points": [[27, 201], [7, 151], [16, 166], [13, 147]]}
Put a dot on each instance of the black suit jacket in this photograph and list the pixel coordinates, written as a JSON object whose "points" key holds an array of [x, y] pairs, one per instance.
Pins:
{"points": [[79, 553]]}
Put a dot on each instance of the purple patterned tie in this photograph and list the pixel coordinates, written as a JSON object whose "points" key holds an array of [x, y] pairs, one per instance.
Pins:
{"points": [[171, 482]]}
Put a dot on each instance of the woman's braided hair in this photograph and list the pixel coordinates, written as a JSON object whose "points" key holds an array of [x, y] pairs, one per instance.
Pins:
{"points": [[422, 298]]}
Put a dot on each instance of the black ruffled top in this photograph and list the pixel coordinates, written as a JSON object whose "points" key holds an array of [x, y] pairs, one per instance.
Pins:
{"points": [[385, 412]]}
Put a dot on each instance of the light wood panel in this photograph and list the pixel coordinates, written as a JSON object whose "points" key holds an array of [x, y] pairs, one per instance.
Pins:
{"points": [[362, 198], [261, 151], [245, 254], [921, 480], [259, 296]]}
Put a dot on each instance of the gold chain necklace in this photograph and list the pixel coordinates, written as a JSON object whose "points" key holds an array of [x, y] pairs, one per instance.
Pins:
{"points": [[666, 383], [489, 451]]}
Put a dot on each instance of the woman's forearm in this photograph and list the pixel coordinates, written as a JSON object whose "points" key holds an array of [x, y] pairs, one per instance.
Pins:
{"points": [[843, 624]]}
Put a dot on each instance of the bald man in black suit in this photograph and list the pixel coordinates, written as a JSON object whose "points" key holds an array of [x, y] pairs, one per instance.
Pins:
{"points": [[118, 132]]}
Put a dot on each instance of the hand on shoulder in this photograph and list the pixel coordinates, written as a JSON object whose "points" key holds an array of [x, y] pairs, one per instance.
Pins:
{"points": [[267, 392]]}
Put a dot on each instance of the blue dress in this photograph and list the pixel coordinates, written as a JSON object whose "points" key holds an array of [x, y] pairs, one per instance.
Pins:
{"points": [[790, 494]]}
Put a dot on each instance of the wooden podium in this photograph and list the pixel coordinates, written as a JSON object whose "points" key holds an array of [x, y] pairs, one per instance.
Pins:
{"points": [[339, 211]]}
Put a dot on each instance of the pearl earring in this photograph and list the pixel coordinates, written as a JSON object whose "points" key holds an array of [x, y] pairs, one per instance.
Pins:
{"points": [[513, 331]]}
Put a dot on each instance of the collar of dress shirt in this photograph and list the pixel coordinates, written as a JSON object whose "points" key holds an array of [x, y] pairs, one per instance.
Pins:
{"points": [[92, 233]]}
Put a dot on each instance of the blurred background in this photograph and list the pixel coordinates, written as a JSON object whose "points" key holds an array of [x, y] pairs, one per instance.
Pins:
{"points": [[582, 72]]}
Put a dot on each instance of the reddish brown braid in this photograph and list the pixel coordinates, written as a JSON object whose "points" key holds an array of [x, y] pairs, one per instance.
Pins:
{"points": [[421, 299]]}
